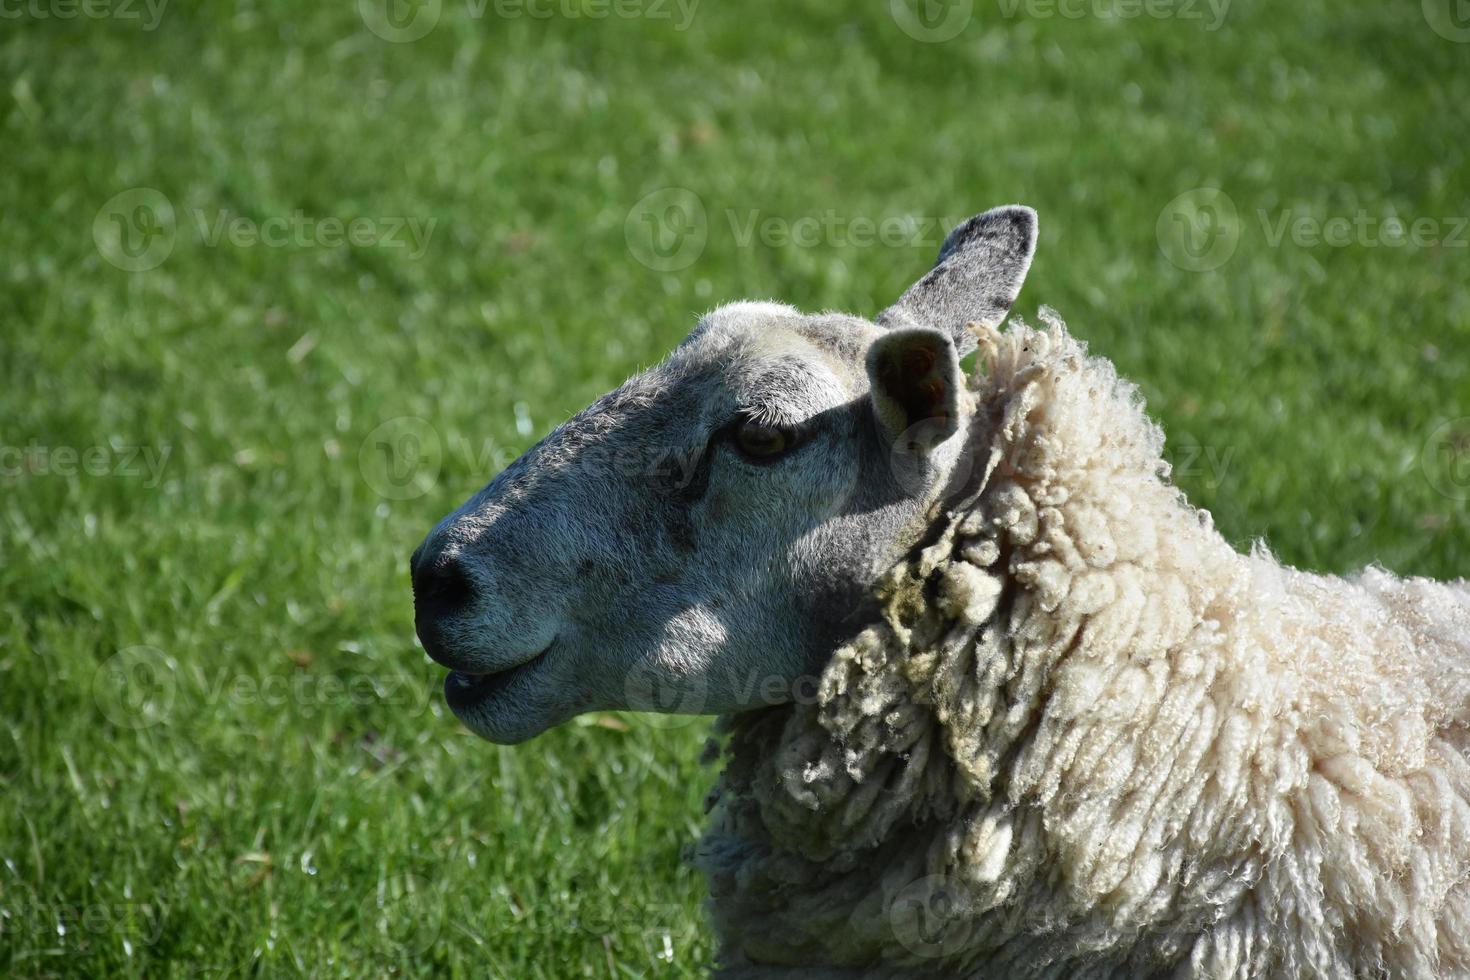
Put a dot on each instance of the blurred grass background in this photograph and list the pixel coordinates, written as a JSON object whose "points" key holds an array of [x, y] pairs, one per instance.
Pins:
{"points": [[292, 798]]}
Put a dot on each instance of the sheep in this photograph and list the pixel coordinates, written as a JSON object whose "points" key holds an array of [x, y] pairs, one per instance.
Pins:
{"points": [[1089, 739], [1059, 727]]}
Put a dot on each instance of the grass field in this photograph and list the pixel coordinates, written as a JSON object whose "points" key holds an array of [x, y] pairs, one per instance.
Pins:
{"points": [[221, 750]]}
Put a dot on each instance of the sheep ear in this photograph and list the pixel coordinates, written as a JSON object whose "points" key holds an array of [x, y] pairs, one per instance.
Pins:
{"points": [[976, 278], [914, 374]]}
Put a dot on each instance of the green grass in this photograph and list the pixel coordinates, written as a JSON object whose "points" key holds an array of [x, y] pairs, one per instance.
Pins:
{"points": [[295, 798]]}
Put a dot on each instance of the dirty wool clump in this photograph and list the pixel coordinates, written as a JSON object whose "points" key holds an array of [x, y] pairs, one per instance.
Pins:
{"points": [[1088, 738]]}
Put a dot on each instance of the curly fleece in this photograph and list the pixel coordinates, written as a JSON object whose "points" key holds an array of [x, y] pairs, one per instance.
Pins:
{"points": [[1090, 739]]}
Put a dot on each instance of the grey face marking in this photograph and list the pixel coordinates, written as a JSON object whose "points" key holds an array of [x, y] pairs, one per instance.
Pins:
{"points": [[700, 538]]}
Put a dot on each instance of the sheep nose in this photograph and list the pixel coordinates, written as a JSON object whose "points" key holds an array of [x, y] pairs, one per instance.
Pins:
{"points": [[441, 586]]}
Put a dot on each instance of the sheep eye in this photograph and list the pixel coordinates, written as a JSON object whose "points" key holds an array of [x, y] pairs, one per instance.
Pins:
{"points": [[763, 441]]}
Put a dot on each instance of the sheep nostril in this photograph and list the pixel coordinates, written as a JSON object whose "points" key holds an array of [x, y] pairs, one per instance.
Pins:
{"points": [[441, 586]]}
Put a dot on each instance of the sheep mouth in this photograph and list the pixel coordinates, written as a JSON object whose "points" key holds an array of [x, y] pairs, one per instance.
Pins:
{"points": [[468, 693]]}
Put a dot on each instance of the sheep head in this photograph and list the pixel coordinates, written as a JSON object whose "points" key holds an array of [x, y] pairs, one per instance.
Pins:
{"points": [[702, 538]]}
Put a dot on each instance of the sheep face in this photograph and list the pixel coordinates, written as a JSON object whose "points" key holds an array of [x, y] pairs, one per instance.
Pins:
{"points": [[701, 538]]}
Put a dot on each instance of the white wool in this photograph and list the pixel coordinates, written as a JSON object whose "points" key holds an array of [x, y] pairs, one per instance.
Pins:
{"points": [[1090, 739]]}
